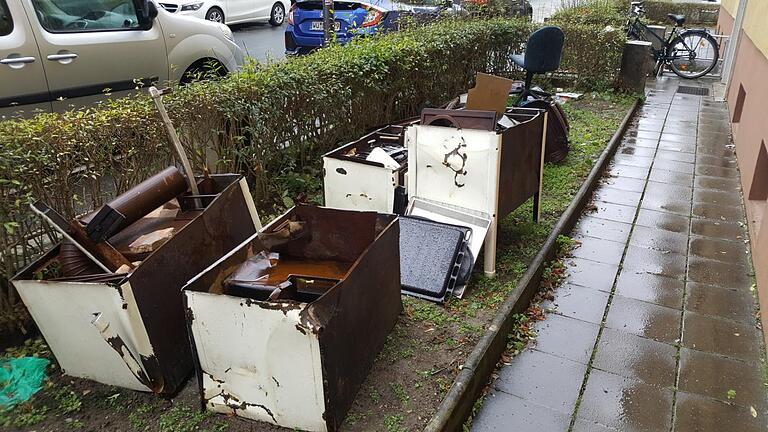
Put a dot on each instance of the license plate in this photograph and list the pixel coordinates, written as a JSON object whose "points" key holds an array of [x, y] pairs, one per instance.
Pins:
{"points": [[318, 26]]}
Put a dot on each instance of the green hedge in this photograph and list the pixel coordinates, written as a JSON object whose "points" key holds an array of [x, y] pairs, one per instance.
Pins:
{"points": [[614, 12], [269, 122], [593, 12], [695, 13]]}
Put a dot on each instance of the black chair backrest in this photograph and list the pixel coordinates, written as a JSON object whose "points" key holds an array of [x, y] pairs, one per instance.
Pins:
{"points": [[544, 49]]}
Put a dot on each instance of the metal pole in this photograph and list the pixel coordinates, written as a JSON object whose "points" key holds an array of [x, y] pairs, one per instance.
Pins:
{"points": [[329, 25], [733, 46], [157, 96]]}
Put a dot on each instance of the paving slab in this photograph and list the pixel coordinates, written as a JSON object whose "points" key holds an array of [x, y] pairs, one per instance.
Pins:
{"points": [[633, 160], [565, 337], [639, 151], [662, 220], [718, 229], [717, 302], [617, 196], [718, 273], [651, 288], [694, 413], [714, 171], [619, 170], [624, 183], [578, 302], [720, 250], [728, 162], [706, 196], [503, 412], [590, 274], [614, 212], [582, 425], [644, 319], [671, 177], [625, 404], [659, 262], [641, 142], [602, 228], [718, 212], [678, 138], [717, 183], [658, 239], [541, 378], [722, 378], [671, 165], [636, 357], [600, 250], [677, 146], [725, 337], [662, 154]]}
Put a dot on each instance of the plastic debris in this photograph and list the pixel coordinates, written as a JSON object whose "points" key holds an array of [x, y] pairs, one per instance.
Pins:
{"points": [[20, 379]]}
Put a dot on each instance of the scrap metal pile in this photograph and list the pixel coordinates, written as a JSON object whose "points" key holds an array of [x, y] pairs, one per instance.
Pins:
{"points": [[282, 323]]}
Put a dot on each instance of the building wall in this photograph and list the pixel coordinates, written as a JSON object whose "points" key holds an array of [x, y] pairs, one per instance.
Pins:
{"points": [[729, 6], [750, 132], [725, 21], [755, 24]]}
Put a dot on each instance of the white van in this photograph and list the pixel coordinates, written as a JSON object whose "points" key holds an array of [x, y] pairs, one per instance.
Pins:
{"points": [[56, 54], [231, 11]]}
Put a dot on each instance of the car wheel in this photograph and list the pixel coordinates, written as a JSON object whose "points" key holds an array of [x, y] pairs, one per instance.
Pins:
{"points": [[203, 70], [277, 16], [215, 14]]}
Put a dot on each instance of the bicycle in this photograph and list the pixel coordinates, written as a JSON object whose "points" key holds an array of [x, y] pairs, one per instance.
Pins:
{"points": [[690, 53]]}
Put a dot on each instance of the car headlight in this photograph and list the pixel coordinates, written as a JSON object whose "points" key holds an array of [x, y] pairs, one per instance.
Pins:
{"points": [[226, 32], [191, 6]]}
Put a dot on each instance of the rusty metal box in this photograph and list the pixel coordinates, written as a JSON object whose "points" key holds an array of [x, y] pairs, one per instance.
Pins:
{"points": [[285, 329], [476, 173], [128, 330], [355, 179]]}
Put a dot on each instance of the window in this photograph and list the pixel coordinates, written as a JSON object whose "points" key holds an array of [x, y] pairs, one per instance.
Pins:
{"points": [[739, 104], [6, 23], [759, 189], [86, 15]]}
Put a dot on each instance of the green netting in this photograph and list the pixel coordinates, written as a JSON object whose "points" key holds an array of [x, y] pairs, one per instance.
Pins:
{"points": [[20, 378]]}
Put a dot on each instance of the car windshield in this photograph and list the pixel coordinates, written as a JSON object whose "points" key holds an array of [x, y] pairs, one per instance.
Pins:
{"points": [[6, 25], [79, 15]]}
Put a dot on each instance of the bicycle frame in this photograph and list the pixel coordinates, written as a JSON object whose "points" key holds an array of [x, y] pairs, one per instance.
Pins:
{"points": [[641, 31]]}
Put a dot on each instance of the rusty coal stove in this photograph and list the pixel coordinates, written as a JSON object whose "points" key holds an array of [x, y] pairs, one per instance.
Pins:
{"points": [[452, 174], [286, 326], [108, 299]]}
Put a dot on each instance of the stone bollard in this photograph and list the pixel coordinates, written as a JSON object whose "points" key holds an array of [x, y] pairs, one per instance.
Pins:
{"points": [[634, 66], [659, 31]]}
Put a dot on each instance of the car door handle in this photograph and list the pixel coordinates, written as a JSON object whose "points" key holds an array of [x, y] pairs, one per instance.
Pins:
{"points": [[59, 57], [17, 60]]}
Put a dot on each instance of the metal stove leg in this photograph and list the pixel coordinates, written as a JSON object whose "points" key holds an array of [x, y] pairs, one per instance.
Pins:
{"points": [[489, 266]]}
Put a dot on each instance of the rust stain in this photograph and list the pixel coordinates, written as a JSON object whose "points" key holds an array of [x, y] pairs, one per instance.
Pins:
{"points": [[119, 346], [236, 404]]}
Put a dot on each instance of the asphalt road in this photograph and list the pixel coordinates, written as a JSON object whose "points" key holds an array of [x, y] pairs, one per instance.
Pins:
{"points": [[261, 41]]}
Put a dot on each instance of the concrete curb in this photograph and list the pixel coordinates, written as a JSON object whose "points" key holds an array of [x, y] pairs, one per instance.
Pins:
{"points": [[457, 404]]}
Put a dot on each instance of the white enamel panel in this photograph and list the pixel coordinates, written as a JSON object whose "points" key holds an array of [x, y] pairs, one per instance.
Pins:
{"points": [[435, 155], [256, 363], [358, 186], [65, 313]]}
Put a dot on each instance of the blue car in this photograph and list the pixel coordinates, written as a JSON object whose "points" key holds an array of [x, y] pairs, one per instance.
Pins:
{"points": [[304, 32]]}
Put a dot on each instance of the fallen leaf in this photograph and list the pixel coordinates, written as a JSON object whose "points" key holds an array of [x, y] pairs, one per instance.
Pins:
{"points": [[753, 411]]}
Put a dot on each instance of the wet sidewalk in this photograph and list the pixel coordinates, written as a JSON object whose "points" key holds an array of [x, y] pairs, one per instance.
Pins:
{"points": [[654, 328]]}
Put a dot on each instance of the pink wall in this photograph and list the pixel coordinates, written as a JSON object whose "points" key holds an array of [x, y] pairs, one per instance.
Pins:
{"points": [[751, 72]]}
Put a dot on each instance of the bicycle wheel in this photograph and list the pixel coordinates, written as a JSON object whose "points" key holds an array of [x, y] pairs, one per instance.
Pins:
{"points": [[693, 54]]}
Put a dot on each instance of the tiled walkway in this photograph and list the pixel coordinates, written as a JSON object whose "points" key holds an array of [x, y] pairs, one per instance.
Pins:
{"points": [[654, 328]]}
